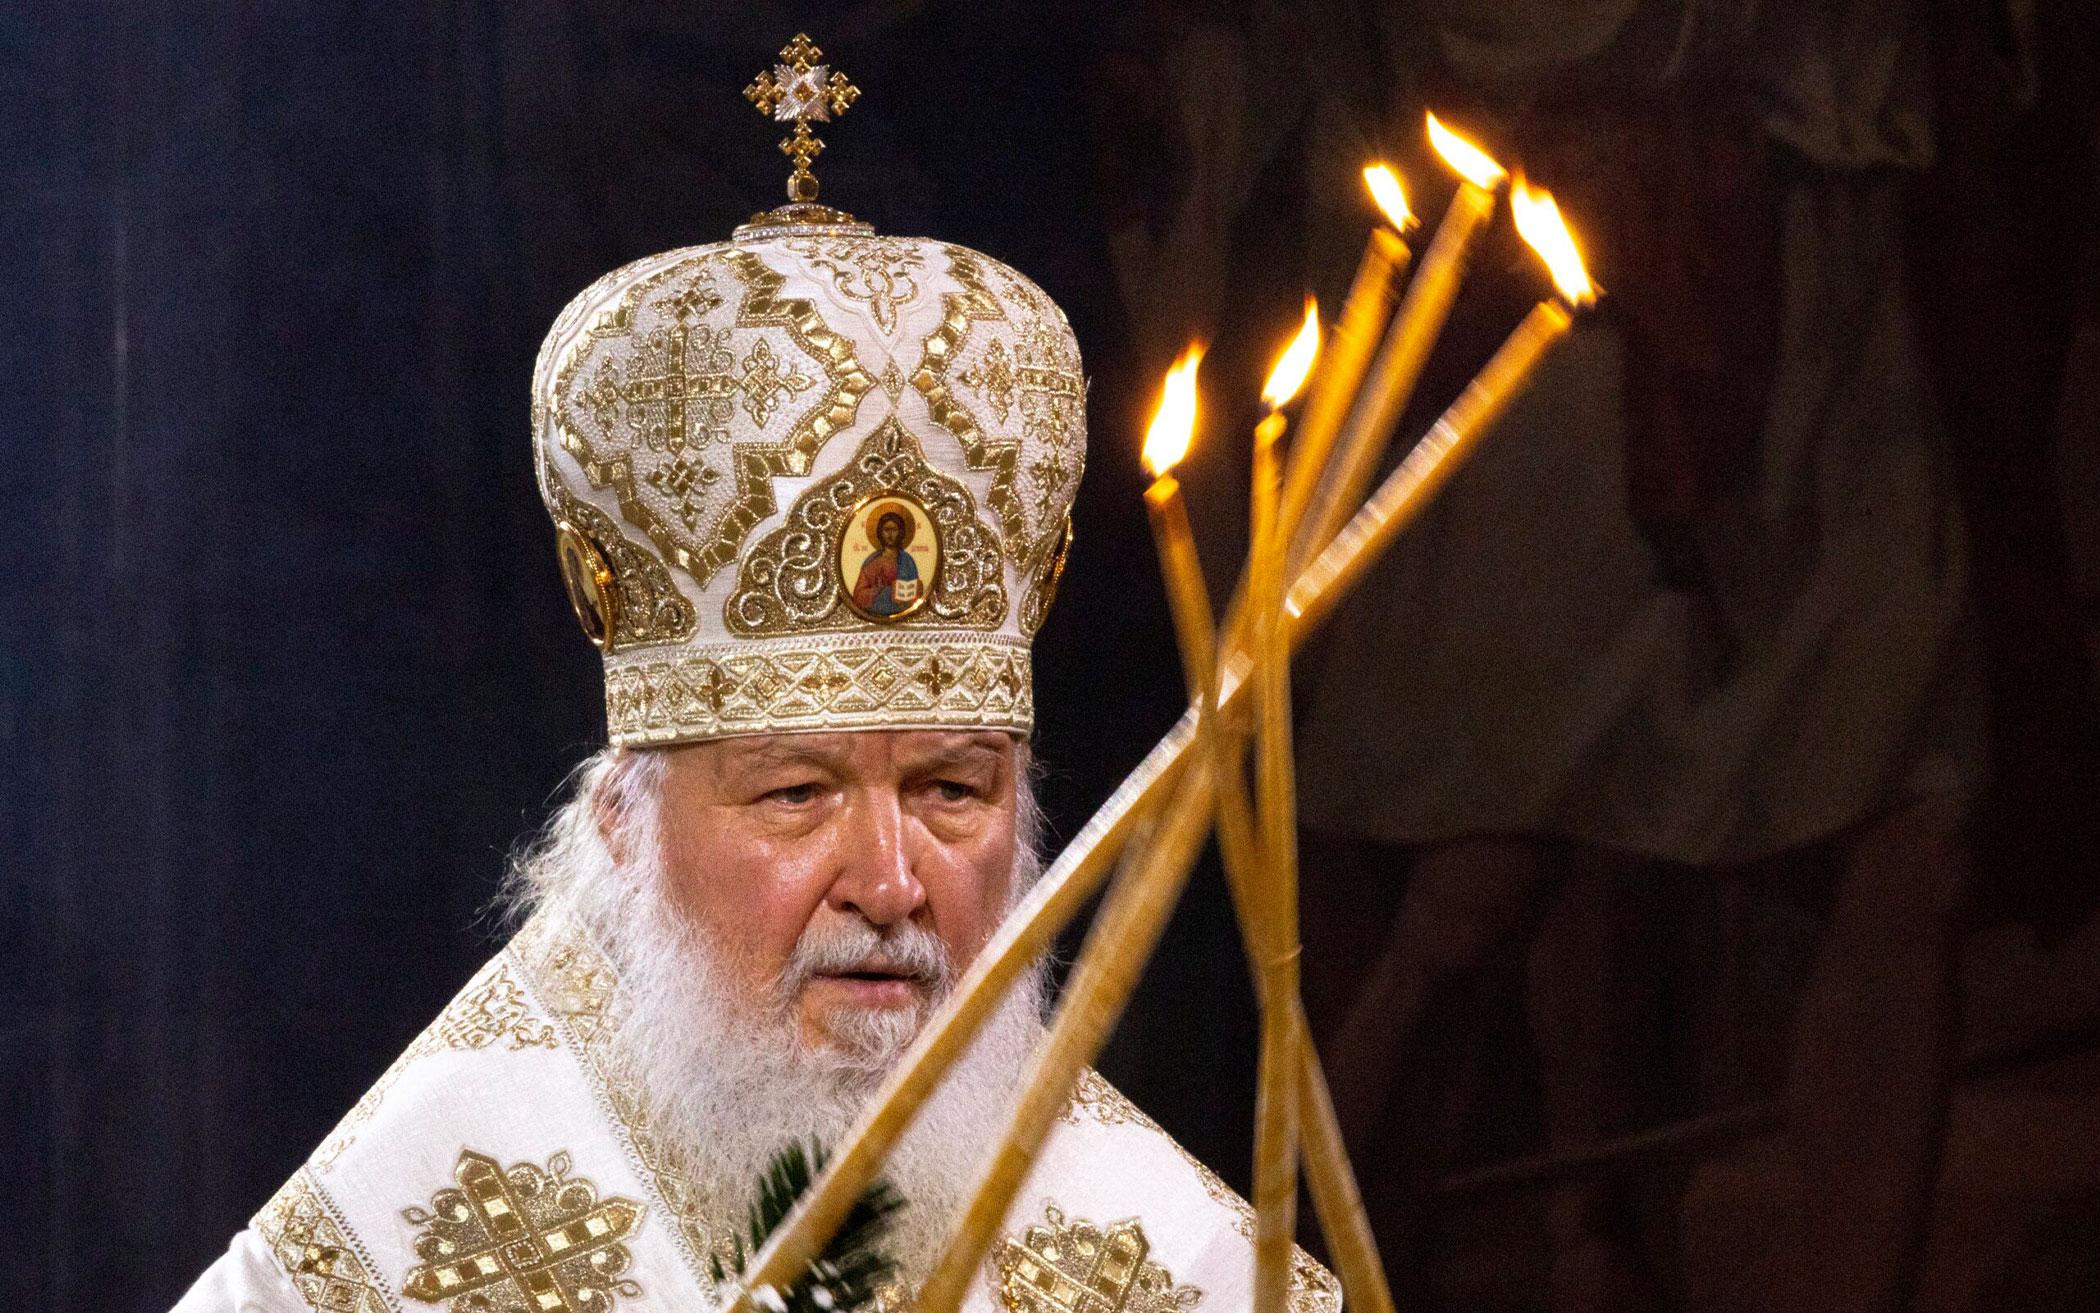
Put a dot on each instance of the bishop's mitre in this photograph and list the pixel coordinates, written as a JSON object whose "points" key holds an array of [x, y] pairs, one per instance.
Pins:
{"points": [[811, 478]]}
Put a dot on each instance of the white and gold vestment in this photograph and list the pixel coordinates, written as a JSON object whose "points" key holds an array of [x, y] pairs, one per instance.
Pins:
{"points": [[505, 1164]]}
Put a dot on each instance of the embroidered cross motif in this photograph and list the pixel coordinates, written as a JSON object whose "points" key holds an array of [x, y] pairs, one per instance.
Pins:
{"points": [[764, 384], [1077, 1267], [521, 1240], [1046, 386], [994, 377], [825, 683], [677, 479], [679, 387], [1050, 386], [934, 678], [314, 1253], [1051, 470], [710, 685]]}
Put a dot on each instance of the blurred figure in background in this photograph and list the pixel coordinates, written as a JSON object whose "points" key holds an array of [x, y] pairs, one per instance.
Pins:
{"points": [[1704, 603]]}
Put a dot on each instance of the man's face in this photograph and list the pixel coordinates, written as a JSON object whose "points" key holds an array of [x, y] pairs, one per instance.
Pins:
{"points": [[769, 837], [889, 532]]}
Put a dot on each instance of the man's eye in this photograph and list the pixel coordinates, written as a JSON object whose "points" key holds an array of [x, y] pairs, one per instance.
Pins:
{"points": [[953, 791], [794, 795]]}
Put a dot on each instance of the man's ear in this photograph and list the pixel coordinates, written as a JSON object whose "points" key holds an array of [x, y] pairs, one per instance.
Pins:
{"points": [[1026, 777], [611, 792], [636, 777], [606, 813]]}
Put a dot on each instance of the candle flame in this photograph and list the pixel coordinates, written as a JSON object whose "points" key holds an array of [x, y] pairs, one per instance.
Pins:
{"points": [[1538, 220], [1473, 163], [1385, 189], [1167, 440], [1295, 362]]}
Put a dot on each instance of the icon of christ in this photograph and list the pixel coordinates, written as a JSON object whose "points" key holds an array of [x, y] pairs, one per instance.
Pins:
{"points": [[889, 584]]}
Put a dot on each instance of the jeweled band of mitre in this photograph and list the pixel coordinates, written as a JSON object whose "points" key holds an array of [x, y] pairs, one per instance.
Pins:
{"points": [[811, 478]]}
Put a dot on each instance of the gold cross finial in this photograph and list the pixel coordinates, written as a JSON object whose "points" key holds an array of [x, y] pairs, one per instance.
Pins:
{"points": [[797, 90]]}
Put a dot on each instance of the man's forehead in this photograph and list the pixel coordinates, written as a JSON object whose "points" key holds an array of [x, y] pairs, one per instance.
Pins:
{"points": [[863, 747]]}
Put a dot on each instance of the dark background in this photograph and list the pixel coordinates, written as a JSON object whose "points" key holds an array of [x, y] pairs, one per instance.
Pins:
{"points": [[286, 667]]}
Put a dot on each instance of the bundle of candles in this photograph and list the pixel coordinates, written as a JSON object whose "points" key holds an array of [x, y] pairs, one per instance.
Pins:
{"points": [[1310, 523]]}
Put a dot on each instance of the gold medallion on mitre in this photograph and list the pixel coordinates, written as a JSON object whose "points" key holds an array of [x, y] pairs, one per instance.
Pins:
{"points": [[811, 477]]}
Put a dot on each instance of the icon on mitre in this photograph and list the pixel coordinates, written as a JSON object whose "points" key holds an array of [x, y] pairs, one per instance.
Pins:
{"points": [[888, 558]]}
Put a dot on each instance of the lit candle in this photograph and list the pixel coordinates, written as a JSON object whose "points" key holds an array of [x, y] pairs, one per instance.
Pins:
{"points": [[1188, 600], [1407, 343], [1336, 1198], [1349, 346], [1275, 1109], [1364, 538], [1266, 543]]}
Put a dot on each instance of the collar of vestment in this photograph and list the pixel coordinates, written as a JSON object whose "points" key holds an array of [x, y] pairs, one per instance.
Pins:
{"points": [[506, 1161]]}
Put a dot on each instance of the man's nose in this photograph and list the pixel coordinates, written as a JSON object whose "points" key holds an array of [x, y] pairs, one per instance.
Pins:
{"points": [[875, 876]]}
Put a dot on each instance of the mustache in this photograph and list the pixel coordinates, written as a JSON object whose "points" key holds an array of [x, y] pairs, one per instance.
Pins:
{"points": [[907, 949]]}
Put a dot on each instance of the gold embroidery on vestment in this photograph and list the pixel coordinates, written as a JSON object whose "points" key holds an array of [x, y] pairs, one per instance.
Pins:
{"points": [[521, 1239], [788, 582], [994, 378], [576, 981], [322, 1261], [1074, 1266], [490, 1008], [1050, 391], [1313, 1288], [974, 303]]}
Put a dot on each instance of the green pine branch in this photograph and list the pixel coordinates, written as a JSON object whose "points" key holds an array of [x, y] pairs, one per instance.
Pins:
{"points": [[852, 1267]]}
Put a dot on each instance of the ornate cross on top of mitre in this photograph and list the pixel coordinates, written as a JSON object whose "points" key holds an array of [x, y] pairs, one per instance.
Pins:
{"points": [[797, 90]]}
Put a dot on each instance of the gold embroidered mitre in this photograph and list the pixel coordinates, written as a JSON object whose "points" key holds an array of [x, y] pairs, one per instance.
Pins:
{"points": [[810, 478]]}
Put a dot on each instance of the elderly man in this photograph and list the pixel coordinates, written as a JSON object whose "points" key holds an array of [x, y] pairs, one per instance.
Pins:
{"points": [[813, 815]]}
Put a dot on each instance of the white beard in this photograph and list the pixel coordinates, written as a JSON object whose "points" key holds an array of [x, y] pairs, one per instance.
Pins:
{"points": [[731, 1078]]}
